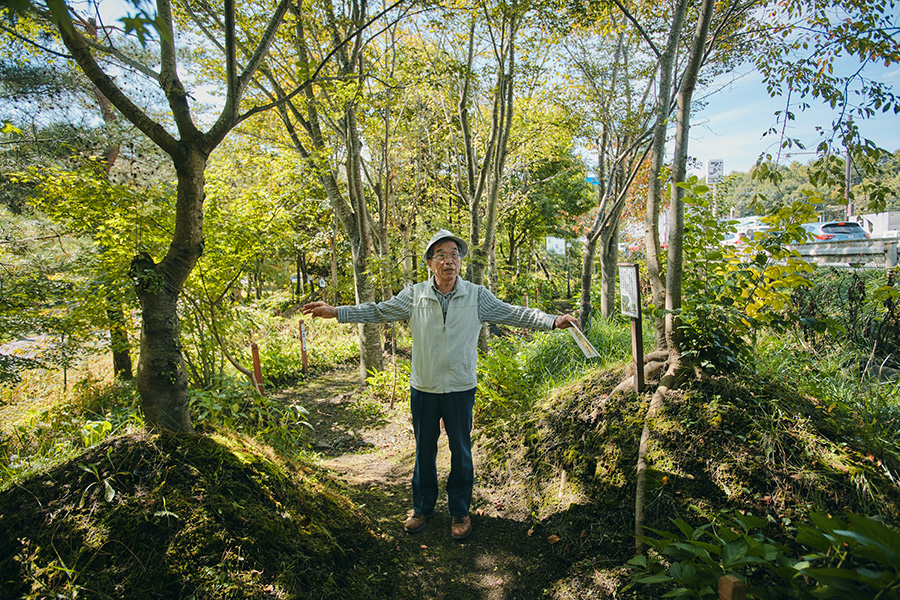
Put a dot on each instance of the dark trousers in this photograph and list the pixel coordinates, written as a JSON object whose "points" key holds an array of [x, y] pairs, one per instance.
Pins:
{"points": [[455, 408]]}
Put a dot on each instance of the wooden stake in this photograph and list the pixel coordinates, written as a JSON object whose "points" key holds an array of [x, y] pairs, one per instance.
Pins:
{"points": [[257, 369], [732, 588], [303, 346]]}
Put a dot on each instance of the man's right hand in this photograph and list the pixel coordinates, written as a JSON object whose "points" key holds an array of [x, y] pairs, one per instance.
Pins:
{"points": [[320, 309]]}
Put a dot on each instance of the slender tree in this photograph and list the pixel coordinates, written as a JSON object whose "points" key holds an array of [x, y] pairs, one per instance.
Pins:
{"points": [[323, 126], [161, 377]]}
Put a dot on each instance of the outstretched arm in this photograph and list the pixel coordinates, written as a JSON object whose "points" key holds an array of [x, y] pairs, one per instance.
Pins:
{"points": [[320, 309], [397, 308], [494, 310]]}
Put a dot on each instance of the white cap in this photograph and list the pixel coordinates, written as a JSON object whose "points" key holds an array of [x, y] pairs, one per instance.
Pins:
{"points": [[442, 235]]}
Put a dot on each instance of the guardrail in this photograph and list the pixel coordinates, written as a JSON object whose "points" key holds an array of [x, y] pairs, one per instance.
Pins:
{"points": [[875, 252]]}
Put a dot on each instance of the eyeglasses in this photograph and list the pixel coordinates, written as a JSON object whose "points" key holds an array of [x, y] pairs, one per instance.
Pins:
{"points": [[445, 256]]}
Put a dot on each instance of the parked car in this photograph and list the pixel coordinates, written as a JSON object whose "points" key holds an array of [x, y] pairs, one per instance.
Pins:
{"points": [[745, 234], [736, 238], [836, 231]]}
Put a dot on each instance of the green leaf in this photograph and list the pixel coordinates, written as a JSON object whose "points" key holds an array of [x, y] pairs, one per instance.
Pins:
{"points": [[839, 579], [110, 493], [679, 593], [658, 578], [734, 551], [639, 561]]}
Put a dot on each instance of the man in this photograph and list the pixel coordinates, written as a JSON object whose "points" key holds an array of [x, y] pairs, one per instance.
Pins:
{"points": [[445, 314]]}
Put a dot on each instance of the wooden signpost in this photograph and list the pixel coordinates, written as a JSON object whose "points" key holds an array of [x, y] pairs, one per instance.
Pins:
{"points": [[630, 291]]}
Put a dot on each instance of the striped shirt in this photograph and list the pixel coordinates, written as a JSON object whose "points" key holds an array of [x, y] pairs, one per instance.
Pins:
{"points": [[490, 310]]}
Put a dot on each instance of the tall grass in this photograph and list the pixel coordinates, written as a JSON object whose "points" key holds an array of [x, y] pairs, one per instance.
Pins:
{"points": [[519, 371], [553, 358], [45, 422], [41, 389], [832, 375]]}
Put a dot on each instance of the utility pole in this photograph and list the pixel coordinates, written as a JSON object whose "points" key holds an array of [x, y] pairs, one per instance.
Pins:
{"points": [[847, 201], [847, 188]]}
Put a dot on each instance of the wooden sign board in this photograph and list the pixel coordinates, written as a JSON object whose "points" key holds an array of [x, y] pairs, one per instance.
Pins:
{"points": [[630, 291]]}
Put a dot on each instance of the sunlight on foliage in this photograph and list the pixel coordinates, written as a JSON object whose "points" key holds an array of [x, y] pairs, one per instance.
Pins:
{"points": [[94, 410], [730, 291]]}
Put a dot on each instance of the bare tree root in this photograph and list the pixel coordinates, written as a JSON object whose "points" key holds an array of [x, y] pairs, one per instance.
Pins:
{"points": [[674, 376], [654, 364]]}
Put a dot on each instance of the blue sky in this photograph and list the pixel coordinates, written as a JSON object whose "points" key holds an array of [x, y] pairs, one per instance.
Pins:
{"points": [[732, 125]]}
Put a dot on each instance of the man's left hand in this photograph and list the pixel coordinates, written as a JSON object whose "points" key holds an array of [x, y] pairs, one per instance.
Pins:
{"points": [[566, 321]]}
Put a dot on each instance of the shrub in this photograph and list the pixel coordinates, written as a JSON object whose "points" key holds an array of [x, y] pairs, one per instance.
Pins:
{"points": [[863, 307], [855, 557], [235, 405], [727, 293], [382, 385], [517, 371]]}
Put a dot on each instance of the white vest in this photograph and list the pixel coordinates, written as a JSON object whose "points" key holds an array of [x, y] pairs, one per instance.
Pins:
{"points": [[444, 355]]}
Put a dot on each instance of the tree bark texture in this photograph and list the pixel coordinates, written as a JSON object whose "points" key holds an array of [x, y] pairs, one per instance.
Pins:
{"points": [[161, 377], [657, 160], [675, 266], [585, 307], [670, 380], [609, 262], [118, 340]]}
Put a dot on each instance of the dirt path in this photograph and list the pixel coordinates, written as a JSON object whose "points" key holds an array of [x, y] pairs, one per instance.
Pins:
{"points": [[371, 451]]}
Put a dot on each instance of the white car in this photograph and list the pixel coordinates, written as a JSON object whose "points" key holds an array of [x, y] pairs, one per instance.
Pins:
{"points": [[836, 231]]}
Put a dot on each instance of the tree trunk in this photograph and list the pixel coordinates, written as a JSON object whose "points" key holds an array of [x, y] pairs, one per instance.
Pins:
{"points": [[657, 160], [675, 264], [370, 354], [332, 241], [513, 254], [483, 178], [349, 203], [257, 278], [408, 263], [585, 309], [118, 341], [299, 274], [607, 222], [609, 261], [161, 377], [669, 381]]}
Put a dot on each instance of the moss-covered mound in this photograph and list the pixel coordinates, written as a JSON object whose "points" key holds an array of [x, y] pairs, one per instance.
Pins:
{"points": [[182, 517], [718, 444]]}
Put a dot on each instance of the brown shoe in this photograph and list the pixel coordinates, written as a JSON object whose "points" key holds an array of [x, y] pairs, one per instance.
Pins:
{"points": [[416, 522], [460, 527]]}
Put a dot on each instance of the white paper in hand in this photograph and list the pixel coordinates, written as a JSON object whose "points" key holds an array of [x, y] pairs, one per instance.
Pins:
{"points": [[583, 343]]}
